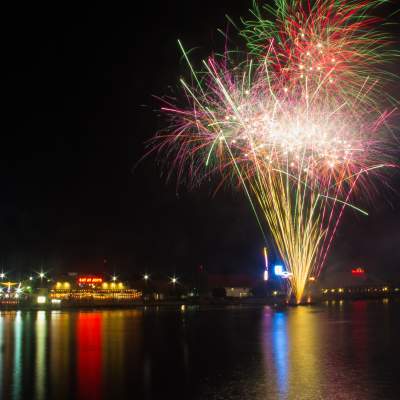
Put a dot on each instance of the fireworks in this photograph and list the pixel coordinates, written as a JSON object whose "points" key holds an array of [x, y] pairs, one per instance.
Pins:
{"points": [[331, 45], [299, 144]]}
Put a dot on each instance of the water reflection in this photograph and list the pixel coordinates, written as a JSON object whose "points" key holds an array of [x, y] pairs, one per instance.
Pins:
{"points": [[326, 352], [291, 350], [60, 354], [89, 355], [2, 345], [17, 374], [40, 358], [305, 351], [114, 347], [280, 350]]}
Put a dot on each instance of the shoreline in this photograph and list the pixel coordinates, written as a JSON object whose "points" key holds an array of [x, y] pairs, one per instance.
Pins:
{"points": [[280, 303]]}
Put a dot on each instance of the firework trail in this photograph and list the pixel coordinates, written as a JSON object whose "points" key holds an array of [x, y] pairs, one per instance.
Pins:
{"points": [[327, 44], [302, 138]]}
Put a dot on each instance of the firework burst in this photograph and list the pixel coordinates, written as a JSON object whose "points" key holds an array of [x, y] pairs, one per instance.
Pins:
{"points": [[331, 45], [301, 152]]}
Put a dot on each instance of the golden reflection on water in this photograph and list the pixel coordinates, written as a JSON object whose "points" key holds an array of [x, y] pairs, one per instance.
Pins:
{"points": [[60, 354], [40, 354], [307, 349], [114, 341], [305, 335], [291, 345]]}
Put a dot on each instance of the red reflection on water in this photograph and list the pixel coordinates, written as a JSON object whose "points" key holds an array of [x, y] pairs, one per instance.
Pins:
{"points": [[89, 356], [360, 331]]}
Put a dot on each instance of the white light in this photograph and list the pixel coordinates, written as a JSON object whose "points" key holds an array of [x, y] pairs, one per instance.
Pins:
{"points": [[146, 277], [266, 275], [41, 299], [278, 270], [114, 278], [55, 301], [2, 275]]}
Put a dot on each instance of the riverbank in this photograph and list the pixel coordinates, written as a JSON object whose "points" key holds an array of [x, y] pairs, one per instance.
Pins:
{"points": [[276, 301]]}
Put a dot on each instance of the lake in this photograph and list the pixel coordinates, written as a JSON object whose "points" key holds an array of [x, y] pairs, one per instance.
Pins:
{"points": [[335, 350]]}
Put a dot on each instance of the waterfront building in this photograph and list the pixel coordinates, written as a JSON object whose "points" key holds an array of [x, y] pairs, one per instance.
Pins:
{"points": [[234, 286], [355, 283], [92, 288], [238, 292]]}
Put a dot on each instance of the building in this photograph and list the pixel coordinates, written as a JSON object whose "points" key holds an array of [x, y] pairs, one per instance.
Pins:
{"points": [[12, 292], [92, 288], [237, 292], [234, 286], [354, 283]]}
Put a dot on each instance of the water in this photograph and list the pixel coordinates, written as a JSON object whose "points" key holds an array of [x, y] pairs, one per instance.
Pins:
{"points": [[332, 351]]}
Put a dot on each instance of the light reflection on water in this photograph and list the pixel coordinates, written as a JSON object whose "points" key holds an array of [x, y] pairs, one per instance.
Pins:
{"points": [[280, 350], [290, 349], [17, 372], [345, 350], [40, 357]]}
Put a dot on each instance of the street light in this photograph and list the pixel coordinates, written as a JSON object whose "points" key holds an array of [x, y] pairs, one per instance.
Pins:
{"points": [[146, 277], [174, 280], [114, 278], [2, 275], [41, 276]]}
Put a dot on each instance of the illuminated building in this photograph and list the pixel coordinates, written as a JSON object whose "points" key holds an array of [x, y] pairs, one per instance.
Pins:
{"points": [[238, 292], [12, 290], [280, 271], [358, 272], [355, 283], [231, 286], [93, 288]]}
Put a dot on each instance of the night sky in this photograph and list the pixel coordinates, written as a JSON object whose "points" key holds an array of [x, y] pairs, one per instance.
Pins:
{"points": [[77, 87]]}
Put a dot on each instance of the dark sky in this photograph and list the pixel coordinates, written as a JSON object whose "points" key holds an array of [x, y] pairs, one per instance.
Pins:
{"points": [[77, 86]]}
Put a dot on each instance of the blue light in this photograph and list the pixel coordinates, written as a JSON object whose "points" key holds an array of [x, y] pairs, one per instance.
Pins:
{"points": [[280, 351], [281, 272]]}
